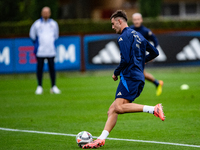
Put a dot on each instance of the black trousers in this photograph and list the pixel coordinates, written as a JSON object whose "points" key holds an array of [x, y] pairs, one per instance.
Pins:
{"points": [[40, 66]]}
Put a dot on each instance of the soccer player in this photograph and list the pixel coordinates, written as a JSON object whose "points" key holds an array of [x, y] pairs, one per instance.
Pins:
{"points": [[133, 48], [44, 32], [137, 26]]}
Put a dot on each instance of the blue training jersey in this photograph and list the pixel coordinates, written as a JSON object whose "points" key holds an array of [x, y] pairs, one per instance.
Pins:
{"points": [[133, 47], [146, 33]]}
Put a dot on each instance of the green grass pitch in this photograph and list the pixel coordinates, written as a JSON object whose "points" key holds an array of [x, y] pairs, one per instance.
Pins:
{"points": [[83, 105]]}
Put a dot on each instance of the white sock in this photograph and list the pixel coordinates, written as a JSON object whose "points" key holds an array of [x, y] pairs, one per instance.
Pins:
{"points": [[148, 109], [103, 135]]}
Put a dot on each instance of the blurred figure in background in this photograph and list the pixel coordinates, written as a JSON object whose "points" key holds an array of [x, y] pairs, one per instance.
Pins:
{"points": [[137, 26], [44, 32]]}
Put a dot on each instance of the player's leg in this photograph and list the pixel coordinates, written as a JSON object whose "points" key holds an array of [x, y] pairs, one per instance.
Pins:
{"points": [[39, 74], [110, 123], [120, 106], [133, 108], [157, 83], [52, 73], [151, 78], [111, 120], [51, 70], [112, 115]]}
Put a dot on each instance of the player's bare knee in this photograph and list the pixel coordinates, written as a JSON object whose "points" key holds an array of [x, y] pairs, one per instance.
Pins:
{"points": [[119, 110], [110, 111]]}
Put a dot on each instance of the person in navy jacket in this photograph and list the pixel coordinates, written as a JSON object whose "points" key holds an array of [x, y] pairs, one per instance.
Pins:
{"points": [[44, 32], [137, 26], [133, 47]]}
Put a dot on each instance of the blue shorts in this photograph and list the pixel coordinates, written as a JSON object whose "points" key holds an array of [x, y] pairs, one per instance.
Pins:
{"points": [[129, 89]]}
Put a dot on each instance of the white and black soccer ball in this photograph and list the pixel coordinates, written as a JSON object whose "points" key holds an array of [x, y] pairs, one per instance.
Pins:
{"points": [[83, 138]]}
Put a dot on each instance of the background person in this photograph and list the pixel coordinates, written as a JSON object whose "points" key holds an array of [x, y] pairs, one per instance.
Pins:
{"points": [[137, 26], [44, 32]]}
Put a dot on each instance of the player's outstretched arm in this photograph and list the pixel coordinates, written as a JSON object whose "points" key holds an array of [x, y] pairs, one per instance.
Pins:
{"points": [[153, 52], [153, 38]]}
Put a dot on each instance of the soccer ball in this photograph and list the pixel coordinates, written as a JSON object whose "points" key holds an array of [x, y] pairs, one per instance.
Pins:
{"points": [[83, 138]]}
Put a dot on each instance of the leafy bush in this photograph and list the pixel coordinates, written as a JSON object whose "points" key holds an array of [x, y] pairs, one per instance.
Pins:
{"points": [[150, 8], [84, 26]]}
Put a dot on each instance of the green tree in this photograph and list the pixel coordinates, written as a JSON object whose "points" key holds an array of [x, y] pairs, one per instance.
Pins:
{"points": [[9, 10], [150, 8], [18, 10], [27, 9]]}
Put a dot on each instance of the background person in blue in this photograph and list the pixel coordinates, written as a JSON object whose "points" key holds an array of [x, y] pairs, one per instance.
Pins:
{"points": [[137, 26], [133, 47], [44, 32]]}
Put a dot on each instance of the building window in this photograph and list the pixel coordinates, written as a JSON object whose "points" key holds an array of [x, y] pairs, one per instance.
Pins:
{"points": [[170, 10], [181, 9], [191, 9]]}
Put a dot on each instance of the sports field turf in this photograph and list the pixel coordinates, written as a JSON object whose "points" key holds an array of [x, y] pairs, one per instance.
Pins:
{"points": [[83, 105]]}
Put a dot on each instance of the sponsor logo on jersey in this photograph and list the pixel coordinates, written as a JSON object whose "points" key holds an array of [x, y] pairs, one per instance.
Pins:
{"points": [[120, 39], [119, 94]]}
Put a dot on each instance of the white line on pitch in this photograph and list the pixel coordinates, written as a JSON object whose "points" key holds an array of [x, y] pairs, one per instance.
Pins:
{"points": [[116, 139]]}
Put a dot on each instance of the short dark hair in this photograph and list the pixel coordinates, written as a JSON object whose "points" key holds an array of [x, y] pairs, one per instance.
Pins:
{"points": [[119, 13]]}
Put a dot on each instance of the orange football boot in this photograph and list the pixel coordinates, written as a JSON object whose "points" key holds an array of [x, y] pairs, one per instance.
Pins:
{"points": [[94, 144], [158, 112]]}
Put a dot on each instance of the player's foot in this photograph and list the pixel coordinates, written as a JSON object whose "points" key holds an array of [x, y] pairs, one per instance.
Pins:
{"points": [[158, 112], [55, 90], [39, 90], [159, 88], [94, 144]]}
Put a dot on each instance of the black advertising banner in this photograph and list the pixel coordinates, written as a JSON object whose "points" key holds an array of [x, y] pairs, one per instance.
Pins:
{"points": [[101, 51], [179, 48]]}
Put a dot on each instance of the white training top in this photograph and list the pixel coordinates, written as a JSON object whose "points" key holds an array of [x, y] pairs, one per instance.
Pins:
{"points": [[44, 33]]}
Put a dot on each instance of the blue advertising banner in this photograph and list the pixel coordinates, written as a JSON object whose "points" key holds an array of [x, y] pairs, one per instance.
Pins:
{"points": [[16, 55], [25, 58], [6, 55], [68, 53]]}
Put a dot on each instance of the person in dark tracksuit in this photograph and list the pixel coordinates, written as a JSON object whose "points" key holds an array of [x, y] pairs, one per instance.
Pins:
{"points": [[133, 47], [137, 26], [44, 32]]}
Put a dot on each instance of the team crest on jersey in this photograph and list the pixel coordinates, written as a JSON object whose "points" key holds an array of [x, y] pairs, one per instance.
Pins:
{"points": [[150, 33]]}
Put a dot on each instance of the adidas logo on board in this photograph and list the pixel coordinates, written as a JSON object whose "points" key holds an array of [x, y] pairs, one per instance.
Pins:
{"points": [[108, 55], [190, 51], [161, 57]]}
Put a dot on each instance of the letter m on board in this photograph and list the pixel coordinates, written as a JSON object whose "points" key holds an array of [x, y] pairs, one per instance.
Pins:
{"points": [[5, 56]]}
